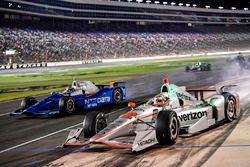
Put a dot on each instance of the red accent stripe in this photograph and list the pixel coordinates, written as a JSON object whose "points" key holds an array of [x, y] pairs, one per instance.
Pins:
{"points": [[238, 103], [161, 104], [129, 115], [116, 145], [77, 144]]}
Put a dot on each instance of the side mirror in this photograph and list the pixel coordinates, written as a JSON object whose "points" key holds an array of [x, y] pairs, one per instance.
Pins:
{"points": [[131, 104]]}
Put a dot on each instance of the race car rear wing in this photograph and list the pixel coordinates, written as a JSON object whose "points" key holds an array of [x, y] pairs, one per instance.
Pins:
{"points": [[111, 84], [226, 88], [199, 92]]}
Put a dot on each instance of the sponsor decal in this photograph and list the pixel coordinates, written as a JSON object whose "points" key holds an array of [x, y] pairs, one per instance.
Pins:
{"points": [[192, 115], [155, 116], [171, 90], [155, 110], [92, 105], [183, 96], [98, 100], [145, 142], [103, 99]]}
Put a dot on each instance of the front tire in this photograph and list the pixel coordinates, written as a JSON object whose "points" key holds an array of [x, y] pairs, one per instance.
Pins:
{"points": [[27, 102], [67, 105], [209, 67], [167, 127], [93, 122]]}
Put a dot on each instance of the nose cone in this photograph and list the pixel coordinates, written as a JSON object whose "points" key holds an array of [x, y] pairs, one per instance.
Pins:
{"points": [[29, 111]]}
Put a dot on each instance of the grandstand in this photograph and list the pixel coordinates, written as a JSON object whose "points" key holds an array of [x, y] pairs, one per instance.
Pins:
{"points": [[42, 30]]}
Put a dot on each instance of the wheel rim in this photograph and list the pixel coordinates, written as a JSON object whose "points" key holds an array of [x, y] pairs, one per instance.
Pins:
{"points": [[174, 128], [117, 96], [231, 108], [100, 125], [70, 106]]}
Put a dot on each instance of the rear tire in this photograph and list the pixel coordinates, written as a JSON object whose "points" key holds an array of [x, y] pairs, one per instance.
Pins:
{"points": [[117, 95], [167, 127], [27, 102], [187, 69], [67, 105], [93, 122], [209, 67], [203, 68], [230, 108]]}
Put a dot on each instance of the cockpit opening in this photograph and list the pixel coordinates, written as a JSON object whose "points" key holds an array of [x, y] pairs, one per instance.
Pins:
{"points": [[159, 100], [164, 89]]}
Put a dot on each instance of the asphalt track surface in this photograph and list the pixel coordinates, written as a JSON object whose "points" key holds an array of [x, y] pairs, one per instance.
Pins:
{"points": [[32, 141]]}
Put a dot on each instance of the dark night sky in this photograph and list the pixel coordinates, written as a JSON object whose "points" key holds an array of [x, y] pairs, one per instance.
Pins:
{"points": [[213, 3]]}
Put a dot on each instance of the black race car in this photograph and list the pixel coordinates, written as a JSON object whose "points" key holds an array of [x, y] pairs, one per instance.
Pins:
{"points": [[242, 61], [199, 67]]}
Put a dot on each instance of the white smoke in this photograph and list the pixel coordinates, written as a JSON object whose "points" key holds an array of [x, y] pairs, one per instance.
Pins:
{"points": [[233, 75]]}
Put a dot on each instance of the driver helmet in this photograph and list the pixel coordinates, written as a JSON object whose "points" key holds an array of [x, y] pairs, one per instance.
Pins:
{"points": [[69, 89], [161, 98], [198, 63]]}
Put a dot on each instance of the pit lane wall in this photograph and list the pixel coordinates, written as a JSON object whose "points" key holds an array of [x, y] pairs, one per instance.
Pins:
{"points": [[63, 63], [23, 65], [94, 61], [48, 64]]}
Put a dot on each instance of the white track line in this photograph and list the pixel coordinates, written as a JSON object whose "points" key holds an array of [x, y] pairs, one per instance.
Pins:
{"points": [[39, 138], [4, 114], [106, 114], [48, 135]]}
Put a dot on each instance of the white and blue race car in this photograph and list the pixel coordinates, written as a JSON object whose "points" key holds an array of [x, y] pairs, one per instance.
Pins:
{"points": [[80, 96]]}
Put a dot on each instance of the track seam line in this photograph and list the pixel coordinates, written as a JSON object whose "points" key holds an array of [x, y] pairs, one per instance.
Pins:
{"points": [[39, 138], [4, 114], [48, 135]]}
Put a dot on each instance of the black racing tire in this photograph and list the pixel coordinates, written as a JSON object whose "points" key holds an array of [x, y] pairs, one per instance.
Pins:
{"points": [[230, 108], [203, 68], [67, 105], [209, 67], [27, 102], [94, 121], [117, 95], [187, 69], [167, 127]]}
